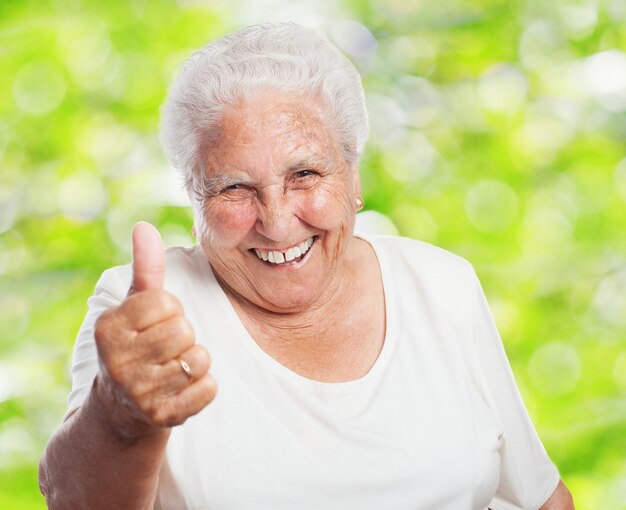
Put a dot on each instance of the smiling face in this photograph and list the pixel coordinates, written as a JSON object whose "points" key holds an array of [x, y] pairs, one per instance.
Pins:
{"points": [[279, 204]]}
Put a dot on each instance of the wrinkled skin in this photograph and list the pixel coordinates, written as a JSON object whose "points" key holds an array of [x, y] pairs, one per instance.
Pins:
{"points": [[276, 176], [117, 438], [138, 346]]}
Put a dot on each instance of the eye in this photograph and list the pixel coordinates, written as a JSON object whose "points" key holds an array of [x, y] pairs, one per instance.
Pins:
{"points": [[237, 191], [305, 173], [233, 187]]}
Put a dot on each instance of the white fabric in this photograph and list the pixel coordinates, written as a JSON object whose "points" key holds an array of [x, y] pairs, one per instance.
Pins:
{"points": [[437, 423]]}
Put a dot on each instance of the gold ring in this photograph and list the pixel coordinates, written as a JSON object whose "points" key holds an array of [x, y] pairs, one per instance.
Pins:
{"points": [[185, 367]]}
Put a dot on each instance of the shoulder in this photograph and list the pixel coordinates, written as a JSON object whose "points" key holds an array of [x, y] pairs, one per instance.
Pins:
{"points": [[419, 256], [417, 268]]}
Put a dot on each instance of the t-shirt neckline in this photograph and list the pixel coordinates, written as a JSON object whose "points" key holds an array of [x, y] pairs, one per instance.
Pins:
{"points": [[286, 373]]}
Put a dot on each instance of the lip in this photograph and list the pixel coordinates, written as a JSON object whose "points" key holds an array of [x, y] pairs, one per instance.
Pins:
{"points": [[285, 266], [282, 249]]}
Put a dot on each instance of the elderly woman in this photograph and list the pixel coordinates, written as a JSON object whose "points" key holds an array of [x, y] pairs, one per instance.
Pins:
{"points": [[354, 371]]}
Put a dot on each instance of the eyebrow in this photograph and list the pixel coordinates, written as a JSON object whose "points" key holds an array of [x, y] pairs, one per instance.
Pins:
{"points": [[212, 186], [316, 159]]}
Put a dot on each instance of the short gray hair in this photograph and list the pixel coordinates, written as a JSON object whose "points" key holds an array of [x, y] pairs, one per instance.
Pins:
{"points": [[282, 56]]}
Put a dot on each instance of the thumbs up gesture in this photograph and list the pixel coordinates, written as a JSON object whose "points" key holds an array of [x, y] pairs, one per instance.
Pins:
{"points": [[148, 258], [152, 372]]}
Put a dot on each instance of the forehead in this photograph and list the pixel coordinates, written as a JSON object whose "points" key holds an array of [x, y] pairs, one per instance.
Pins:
{"points": [[274, 126]]}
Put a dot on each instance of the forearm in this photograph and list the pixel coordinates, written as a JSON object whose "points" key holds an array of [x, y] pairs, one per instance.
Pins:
{"points": [[561, 499], [87, 465]]}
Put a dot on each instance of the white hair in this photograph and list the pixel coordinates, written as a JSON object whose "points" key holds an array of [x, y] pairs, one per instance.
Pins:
{"points": [[283, 56]]}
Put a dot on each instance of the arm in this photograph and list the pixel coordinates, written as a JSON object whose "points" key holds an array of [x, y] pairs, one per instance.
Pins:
{"points": [[527, 475], [108, 453], [561, 499], [89, 465]]}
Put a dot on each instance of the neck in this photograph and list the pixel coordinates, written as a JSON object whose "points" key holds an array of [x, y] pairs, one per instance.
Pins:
{"points": [[303, 322], [339, 337]]}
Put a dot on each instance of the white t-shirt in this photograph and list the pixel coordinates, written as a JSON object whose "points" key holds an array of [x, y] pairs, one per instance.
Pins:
{"points": [[436, 424]]}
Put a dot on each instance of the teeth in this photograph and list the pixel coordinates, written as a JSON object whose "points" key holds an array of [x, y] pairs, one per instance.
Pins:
{"points": [[279, 257]]}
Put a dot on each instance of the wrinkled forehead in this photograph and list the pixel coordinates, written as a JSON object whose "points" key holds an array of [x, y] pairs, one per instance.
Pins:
{"points": [[279, 123]]}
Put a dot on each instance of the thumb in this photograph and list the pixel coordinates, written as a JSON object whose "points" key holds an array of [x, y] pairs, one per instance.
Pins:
{"points": [[148, 258]]}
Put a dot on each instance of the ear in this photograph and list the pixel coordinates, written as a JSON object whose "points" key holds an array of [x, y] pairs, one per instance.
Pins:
{"points": [[196, 228], [356, 179]]}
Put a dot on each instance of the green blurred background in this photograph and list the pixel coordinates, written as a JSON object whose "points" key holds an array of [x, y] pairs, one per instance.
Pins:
{"points": [[497, 132]]}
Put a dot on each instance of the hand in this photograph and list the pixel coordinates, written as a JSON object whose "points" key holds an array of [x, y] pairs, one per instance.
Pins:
{"points": [[143, 345]]}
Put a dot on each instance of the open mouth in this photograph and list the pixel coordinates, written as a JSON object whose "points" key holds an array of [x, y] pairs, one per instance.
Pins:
{"points": [[292, 255]]}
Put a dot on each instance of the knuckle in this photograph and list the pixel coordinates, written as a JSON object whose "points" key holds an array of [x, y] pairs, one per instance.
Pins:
{"points": [[154, 378], [204, 358], [167, 302], [169, 415], [161, 302], [184, 329], [135, 381], [118, 377], [113, 371], [111, 334], [153, 412], [177, 417], [210, 388], [104, 324]]}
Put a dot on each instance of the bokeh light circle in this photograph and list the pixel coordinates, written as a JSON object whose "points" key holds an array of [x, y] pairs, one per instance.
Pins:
{"points": [[81, 195], [39, 87], [491, 205], [555, 368]]}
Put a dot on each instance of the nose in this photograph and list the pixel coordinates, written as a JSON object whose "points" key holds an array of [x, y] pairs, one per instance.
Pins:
{"points": [[276, 217]]}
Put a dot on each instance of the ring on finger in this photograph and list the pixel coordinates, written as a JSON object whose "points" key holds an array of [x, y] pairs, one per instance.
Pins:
{"points": [[185, 367]]}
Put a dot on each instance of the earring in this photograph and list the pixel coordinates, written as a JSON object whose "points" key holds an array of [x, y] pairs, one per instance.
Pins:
{"points": [[359, 203], [194, 232]]}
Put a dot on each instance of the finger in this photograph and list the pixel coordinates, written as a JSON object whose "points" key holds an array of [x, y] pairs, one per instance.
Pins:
{"points": [[176, 410], [148, 258], [198, 395], [165, 340], [150, 307], [174, 379], [148, 383]]}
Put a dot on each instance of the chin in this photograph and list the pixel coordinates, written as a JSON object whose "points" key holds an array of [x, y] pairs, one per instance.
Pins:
{"points": [[286, 302]]}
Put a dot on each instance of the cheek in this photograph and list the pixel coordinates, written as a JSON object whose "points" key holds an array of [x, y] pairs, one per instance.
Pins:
{"points": [[319, 201], [327, 207], [230, 222]]}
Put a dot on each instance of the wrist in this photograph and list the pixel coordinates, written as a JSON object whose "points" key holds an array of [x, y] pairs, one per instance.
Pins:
{"points": [[118, 416]]}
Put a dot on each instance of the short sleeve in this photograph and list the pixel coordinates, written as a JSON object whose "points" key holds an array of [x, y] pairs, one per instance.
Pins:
{"points": [[110, 291], [527, 475]]}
